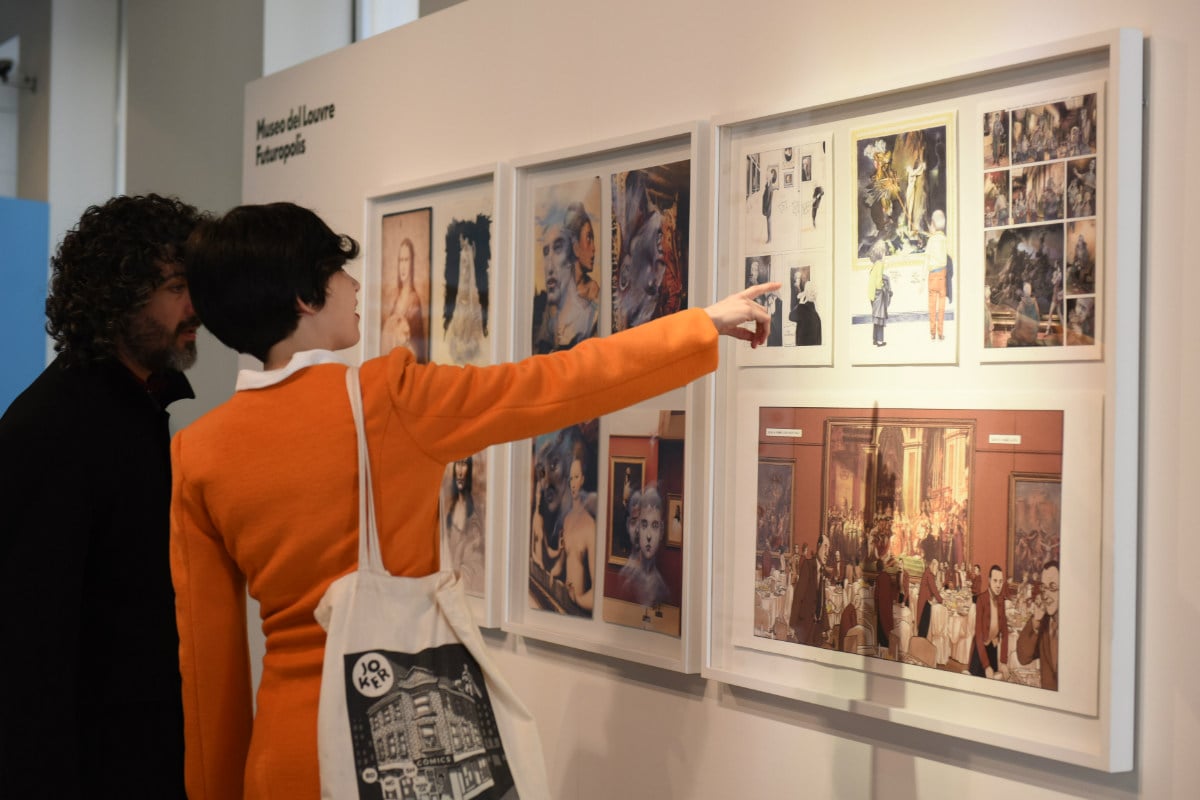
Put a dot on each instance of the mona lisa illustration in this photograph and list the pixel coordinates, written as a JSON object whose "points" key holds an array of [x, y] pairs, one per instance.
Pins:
{"points": [[404, 290]]}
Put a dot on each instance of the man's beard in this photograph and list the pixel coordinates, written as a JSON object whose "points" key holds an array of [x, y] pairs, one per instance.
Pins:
{"points": [[150, 344]]}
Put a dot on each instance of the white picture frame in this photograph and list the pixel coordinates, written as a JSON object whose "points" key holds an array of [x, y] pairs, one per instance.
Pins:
{"points": [[1099, 398], [450, 200], [651, 643]]}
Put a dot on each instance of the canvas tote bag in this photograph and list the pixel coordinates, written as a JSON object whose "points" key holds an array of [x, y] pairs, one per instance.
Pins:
{"points": [[411, 703]]}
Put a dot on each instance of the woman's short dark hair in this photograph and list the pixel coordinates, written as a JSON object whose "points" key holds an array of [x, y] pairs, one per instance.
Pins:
{"points": [[106, 269], [248, 268]]}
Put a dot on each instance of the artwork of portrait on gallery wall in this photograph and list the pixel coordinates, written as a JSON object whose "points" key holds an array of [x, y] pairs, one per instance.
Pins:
{"points": [[566, 311], [566, 303], [913, 536], [563, 510], [462, 330], [643, 578], [434, 298], [651, 225], [1042, 253], [406, 255], [461, 336]]}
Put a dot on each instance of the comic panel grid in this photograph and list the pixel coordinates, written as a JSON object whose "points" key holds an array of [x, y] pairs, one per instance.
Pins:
{"points": [[1041, 246]]}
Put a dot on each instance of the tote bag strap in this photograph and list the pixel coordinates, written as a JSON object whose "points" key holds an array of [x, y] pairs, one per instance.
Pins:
{"points": [[370, 554]]}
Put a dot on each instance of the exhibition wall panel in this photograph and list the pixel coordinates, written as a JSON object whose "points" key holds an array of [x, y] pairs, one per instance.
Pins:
{"points": [[475, 84]]}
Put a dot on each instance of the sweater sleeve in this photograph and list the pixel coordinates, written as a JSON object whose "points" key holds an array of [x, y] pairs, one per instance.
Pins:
{"points": [[210, 609], [461, 410]]}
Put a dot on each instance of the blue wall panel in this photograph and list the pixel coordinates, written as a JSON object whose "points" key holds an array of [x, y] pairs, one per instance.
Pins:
{"points": [[24, 264]]}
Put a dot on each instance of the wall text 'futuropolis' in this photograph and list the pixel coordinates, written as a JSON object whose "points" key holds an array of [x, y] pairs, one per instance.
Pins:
{"points": [[297, 118]]}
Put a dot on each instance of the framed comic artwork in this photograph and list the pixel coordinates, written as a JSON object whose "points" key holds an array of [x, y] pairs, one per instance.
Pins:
{"points": [[607, 515], [1043, 216], [782, 231], [435, 281], [905, 229], [913, 529], [953, 546]]}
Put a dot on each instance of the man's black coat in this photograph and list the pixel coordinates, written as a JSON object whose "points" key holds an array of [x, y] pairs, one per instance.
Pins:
{"points": [[89, 674]]}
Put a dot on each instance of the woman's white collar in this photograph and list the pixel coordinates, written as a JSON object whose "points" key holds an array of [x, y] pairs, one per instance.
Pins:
{"points": [[261, 379]]}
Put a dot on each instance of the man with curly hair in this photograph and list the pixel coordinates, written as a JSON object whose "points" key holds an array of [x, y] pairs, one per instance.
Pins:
{"points": [[90, 701]]}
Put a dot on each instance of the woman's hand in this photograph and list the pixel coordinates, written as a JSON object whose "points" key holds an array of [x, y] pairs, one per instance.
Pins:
{"points": [[737, 309]]}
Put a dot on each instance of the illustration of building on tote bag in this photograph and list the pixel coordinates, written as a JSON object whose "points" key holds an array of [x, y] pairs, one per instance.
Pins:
{"points": [[429, 737]]}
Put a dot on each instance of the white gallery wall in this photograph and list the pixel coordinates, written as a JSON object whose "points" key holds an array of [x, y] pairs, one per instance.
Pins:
{"points": [[497, 80], [297, 30], [185, 64], [32, 23]]}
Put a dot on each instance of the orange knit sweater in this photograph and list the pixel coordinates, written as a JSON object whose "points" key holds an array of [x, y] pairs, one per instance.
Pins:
{"points": [[265, 496]]}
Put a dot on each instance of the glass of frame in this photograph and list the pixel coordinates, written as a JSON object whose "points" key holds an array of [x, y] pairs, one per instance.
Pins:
{"points": [[642, 470], [432, 282]]}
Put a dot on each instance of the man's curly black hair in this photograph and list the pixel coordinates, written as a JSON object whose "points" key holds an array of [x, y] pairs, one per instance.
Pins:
{"points": [[108, 266]]}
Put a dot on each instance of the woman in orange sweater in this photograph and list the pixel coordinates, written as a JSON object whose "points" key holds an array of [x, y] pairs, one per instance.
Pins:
{"points": [[265, 485]]}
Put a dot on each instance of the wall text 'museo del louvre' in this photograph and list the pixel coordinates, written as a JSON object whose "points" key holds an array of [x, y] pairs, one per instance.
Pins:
{"points": [[297, 118]]}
